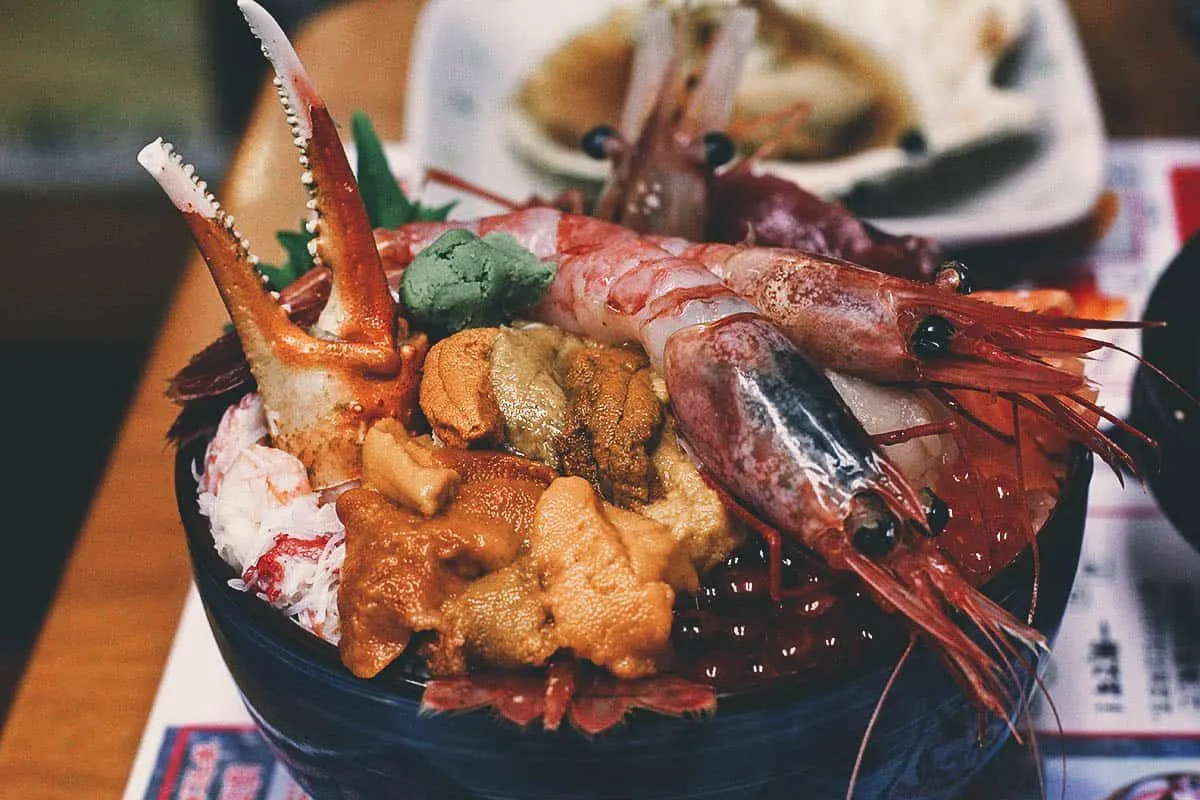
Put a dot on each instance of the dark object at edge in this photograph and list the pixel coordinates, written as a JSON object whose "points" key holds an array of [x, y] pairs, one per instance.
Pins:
{"points": [[1163, 411]]}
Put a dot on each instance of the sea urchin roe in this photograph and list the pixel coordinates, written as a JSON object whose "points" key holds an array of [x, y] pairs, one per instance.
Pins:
{"points": [[501, 620], [401, 567], [689, 507], [614, 419], [608, 576], [456, 390], [595, 580], [527, 364]]}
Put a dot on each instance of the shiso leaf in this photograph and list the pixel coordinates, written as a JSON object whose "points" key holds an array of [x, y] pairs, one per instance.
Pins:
{"points": [[295, 245], [462, 281], [387, 205]]}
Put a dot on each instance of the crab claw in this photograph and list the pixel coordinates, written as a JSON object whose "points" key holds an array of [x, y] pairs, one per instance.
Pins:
{"points": [[321, 388], [360, 308]]}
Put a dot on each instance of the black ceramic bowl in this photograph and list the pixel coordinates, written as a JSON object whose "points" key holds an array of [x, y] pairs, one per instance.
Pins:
{"points": [[1161, 410], [342, 737]]}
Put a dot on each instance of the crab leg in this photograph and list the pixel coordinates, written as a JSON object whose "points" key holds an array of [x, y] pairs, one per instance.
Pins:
{"points": [[321, 389]]}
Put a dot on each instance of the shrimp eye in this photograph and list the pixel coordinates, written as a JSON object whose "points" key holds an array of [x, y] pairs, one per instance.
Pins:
{"points": [[875, 538], [953, 275], [718, 149], [595, 142], [875, 532], [913, 142], [937, 513], [932, 337]]}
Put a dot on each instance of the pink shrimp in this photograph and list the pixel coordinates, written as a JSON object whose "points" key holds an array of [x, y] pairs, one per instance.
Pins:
{"points": [[669, 156], [762, 420], [891, 330]]}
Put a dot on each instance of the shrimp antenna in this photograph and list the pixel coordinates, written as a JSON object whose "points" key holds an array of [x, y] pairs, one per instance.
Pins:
{"points": [[711, 103], [1174, 384], [786, 120], [866, 737], [1026, 523], [1062, 748], [656, 51], [1035, 749], [445, 178]]}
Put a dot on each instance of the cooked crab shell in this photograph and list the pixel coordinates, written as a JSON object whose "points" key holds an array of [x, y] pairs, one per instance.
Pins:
{"points": [[322, 388]]}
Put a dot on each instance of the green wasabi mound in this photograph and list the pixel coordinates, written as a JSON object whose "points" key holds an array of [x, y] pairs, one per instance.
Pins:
{"points": [[462, 281]]}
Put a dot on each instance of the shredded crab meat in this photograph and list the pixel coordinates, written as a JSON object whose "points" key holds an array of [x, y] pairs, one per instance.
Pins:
{"points": [[269, 524]]}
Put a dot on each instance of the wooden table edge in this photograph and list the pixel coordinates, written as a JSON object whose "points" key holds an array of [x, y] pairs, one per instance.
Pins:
{"points": [[78, 716]]}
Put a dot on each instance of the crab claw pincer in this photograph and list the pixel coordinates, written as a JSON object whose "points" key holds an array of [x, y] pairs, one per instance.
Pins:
{"points": [[322, 388]]}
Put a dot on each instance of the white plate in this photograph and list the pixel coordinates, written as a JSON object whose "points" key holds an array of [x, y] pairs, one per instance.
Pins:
{"points": [[469, 58]]}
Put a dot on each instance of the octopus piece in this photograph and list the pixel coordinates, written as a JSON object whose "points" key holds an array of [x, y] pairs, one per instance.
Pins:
{"points": [[322, 388], [591, 699]]}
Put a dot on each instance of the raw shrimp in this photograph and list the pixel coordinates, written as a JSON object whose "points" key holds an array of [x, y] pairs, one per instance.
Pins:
{"points": [[669, 160], [763, 421], [891, 330]]}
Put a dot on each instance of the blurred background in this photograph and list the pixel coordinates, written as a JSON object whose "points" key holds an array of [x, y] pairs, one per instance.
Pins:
{"points": [[92, 250]]}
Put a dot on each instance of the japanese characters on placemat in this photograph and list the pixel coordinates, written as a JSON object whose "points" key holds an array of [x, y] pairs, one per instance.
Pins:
{"points": [[1133, 630], [213, 762], [1125, 677]]}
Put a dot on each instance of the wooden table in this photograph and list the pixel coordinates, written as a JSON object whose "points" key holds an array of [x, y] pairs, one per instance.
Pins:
{"points": [[76, 722]]}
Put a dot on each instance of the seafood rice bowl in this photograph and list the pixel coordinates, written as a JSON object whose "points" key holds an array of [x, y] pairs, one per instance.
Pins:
{"points": [[547, 504], [340, 736]]}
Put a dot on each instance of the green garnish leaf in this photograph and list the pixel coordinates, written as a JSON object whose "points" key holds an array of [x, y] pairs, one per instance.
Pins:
{"points": [[299, 261], [463, 281], [295, 244], [387, 205]]}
